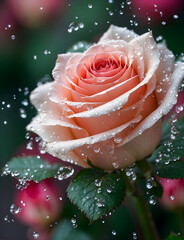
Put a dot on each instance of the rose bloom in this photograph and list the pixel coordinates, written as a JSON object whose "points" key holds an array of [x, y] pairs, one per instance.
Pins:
{"points": [[39, 202], [106, 104], [173, 196]]}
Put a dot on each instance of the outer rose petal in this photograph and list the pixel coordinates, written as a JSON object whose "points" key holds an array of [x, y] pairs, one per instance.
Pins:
{"points": [[123, 156], [118, 33]]}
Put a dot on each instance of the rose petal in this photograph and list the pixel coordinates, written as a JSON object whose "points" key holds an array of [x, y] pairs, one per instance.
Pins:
{"points": [[66, 146], [61, 62], [118, 33], [164, 72]]}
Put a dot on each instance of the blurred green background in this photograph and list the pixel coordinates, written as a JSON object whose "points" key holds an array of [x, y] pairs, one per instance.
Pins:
{"points": [[31, 36]]}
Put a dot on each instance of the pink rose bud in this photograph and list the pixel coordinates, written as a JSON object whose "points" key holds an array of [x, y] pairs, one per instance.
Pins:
{"points": [[33, 13], [106, 104], [156, 10], [173, 196], [40, 203]]}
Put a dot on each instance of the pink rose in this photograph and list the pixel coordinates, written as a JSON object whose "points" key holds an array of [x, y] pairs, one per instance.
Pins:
{"points": [[106, 104], [39, 202], [173, 196]]}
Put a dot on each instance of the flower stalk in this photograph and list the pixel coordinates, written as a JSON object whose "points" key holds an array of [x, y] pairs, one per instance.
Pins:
{"points": [[143, 214]]}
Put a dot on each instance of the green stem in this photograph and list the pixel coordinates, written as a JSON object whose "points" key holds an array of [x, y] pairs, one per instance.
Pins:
{"points": [[142, 210], [144, 166]]}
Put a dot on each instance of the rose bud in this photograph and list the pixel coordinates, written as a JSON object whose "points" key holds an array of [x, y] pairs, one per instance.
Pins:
{"points": [[40, 203], [34, 13], [173, 195], [156, 10], [106, 104]]}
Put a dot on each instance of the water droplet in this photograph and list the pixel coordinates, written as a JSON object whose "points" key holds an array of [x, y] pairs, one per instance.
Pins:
{"points": [[179, 108], [25, 102], [115, 164], [113, 232], [109, 190], [100, 205], [35, 57], [8, 219], [64, 173], [149, 183], [128, 2], [81, 25], [42, 147], [15, 209], [13, 37], [118, 140], [172, 198], [35, 235], [27, 136], [152, 200], [98, 182], [73, 26], [74, 222], [163, 23], [134, 236], [29, 145], [46, 52], [22, 113], [175, 16], [90, 5]]}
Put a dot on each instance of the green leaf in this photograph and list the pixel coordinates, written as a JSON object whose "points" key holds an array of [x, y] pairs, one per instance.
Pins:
{"points": [[96, 193], [171, 146], [166, 158], [65, 231], [172, 170], [175, 237], [81, 46], [33, 168]]}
